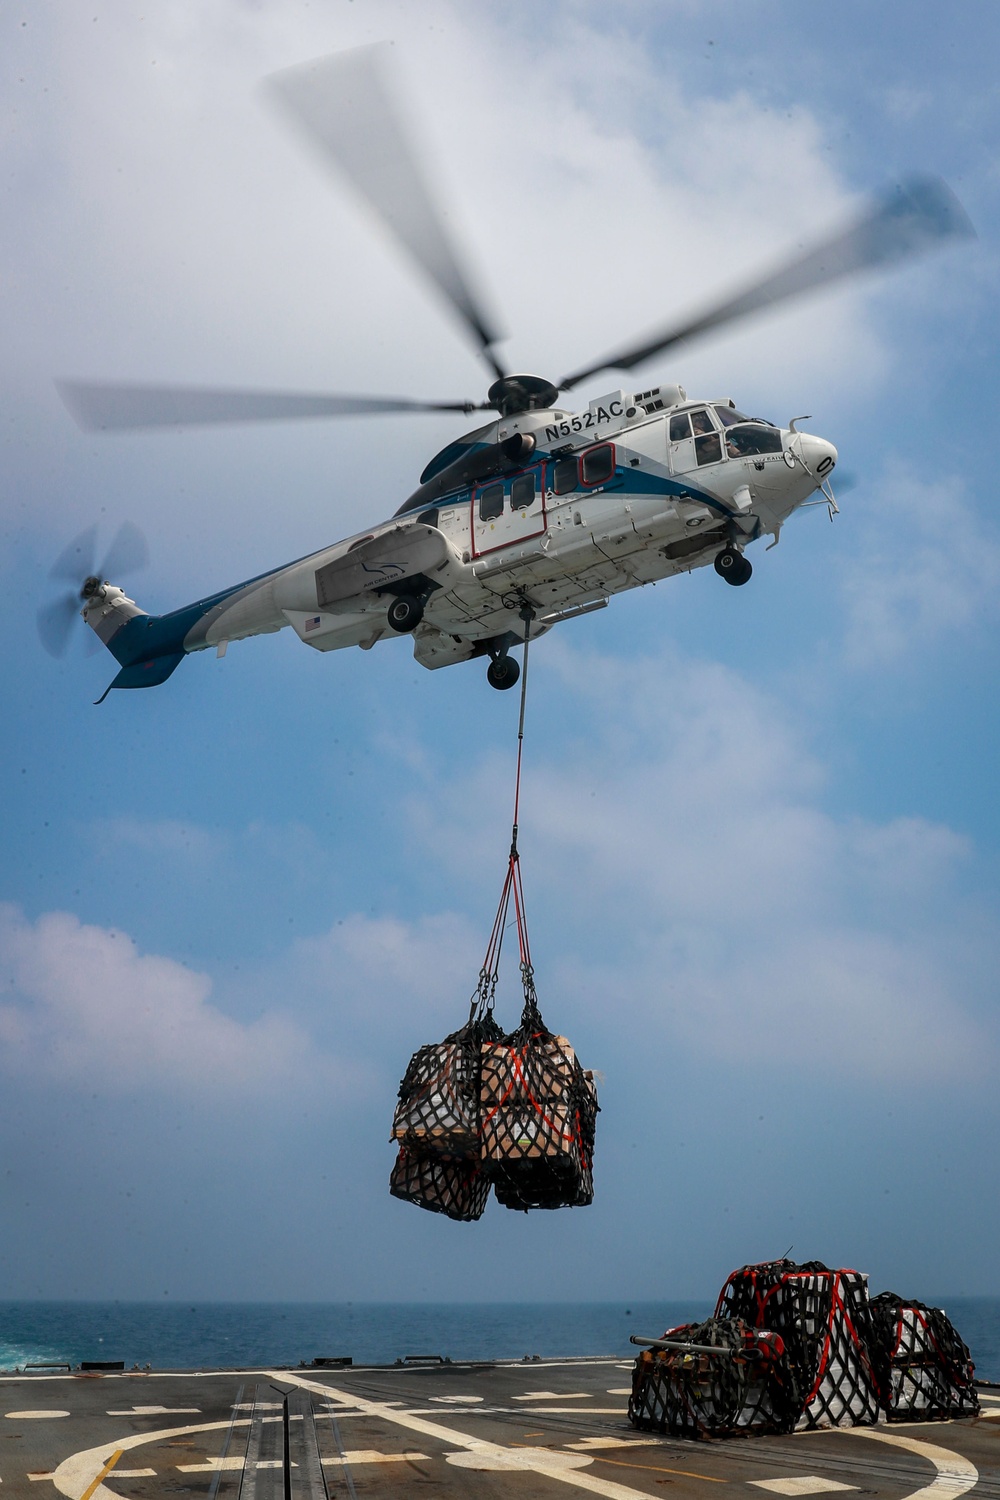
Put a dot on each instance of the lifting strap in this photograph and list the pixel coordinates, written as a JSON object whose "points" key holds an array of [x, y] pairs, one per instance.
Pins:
{"points": [[513, 889]]}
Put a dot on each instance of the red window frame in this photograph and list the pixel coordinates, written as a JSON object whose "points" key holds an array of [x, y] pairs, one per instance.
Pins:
{"points": [[592, 484]]}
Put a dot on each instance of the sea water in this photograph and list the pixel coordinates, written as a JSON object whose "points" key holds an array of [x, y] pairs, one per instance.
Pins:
{"points": [[220, 1335]]}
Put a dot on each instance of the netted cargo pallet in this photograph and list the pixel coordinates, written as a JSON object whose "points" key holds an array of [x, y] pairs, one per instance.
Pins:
{"points": [[924, 1369], [438, 1109], [689, 1392], [824, 1318], [538, 1109], [456, 1188]]}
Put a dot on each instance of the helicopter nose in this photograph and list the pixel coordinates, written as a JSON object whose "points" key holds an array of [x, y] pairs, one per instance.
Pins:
{"points": [[818, 455]]}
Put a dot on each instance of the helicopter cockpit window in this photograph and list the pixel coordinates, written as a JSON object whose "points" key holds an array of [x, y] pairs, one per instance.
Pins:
{"points": [[522, 492], [753, 438], [564, 475], [598, 464], [708, 449], [702, 422], [491, 502], [680, 427]]}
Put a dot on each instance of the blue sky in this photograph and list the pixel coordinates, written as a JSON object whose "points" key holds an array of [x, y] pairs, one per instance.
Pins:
{"points": [[760, 840]]}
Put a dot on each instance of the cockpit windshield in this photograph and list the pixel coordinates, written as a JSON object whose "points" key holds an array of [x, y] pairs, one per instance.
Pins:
{"points": [[755, 437]]}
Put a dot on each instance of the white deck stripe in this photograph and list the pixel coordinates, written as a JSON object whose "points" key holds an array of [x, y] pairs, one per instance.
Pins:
{"points": [[955, 1474], [495, 1454]]}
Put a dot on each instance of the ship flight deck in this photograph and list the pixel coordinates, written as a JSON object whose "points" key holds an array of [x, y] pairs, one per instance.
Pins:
{"points": [[532, 1430]]}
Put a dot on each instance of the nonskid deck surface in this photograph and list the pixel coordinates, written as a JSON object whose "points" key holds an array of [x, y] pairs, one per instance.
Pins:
{"points": [[543, 1430]]}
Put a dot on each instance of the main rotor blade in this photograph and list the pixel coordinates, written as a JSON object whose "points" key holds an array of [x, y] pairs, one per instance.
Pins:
{"points": [[346, 107], [903, 222], [99, 407]]}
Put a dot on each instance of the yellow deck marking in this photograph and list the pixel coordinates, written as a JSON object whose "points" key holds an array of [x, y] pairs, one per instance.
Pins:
{"points": [[620, 1463], [92, 1486]]}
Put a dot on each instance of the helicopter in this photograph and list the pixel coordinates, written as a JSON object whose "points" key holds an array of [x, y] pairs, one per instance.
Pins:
{"points": [[537, 516]]}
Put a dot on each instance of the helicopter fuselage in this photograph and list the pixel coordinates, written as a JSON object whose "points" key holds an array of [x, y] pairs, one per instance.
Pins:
{"points": [[635, 489]]}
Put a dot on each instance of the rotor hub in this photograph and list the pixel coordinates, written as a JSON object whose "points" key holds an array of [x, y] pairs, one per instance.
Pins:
{"points": [[516, 393]]}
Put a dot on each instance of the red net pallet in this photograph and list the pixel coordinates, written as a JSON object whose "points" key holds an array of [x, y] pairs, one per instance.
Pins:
{"points": [[823, 1316], [538, 1108], [924, 1369], [691, 1393]]}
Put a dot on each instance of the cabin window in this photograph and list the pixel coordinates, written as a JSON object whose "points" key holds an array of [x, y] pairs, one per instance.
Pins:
{"points": [[702, 422], [522, 492], [598, 464], [564, 473], [491, 502], [680, 427], [708, 449], [753, 438]]}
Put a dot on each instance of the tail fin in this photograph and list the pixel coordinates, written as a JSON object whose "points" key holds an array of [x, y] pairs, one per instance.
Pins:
{"points": [[146, 652]]}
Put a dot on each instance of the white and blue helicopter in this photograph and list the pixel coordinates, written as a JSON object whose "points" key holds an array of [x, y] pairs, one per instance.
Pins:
{"points": [[540, 514]]}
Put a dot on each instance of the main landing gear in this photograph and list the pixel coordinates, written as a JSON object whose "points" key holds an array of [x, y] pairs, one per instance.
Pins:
{"points": [[405, 613], [502, 672], [733, 567]]}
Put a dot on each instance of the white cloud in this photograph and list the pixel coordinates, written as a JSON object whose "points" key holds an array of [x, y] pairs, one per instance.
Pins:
{"points": [[600, 192], [85, 1006], [925, 567]]}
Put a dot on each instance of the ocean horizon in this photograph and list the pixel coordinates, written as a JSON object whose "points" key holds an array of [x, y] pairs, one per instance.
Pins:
{"points": [[193, 1335]]}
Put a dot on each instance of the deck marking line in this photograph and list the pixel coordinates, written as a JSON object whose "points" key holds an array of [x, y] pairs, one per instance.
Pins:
{"points": [[214, 1466], [92, 1486], [620, 1463], [32, 1416], [82, 1470], [807, 1484], [955, 1474], [589, 1444], [452, 1436], [553, 1396], [372, 1456]]}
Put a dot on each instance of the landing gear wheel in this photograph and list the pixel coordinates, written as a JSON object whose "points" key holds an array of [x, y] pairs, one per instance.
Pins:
{"points": [[503, 673], [733, 567], [405, 613]]}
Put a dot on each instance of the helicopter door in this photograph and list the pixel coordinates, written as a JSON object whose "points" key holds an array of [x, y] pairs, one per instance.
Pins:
{"points": [[694, 441], [507, 510]]}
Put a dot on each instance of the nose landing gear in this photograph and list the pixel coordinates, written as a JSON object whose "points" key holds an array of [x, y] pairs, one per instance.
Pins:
{"points": [[733, 566]]}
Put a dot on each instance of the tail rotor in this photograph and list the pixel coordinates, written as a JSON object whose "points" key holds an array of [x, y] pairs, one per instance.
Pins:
{"points": [[77, 565]]}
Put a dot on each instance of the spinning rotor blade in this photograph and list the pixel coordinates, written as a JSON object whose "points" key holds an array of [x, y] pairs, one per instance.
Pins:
{"points": [[55, 623], [904, 222], [128, 553], [75, 564], [77, 561], [345, 106], [99, 407]]}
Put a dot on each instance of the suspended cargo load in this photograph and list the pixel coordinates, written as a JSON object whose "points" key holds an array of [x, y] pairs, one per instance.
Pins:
{"points": [[438, 1109], [824, 1318], [456, 1188], [482, 1109], [538, 1113], [713, 1379], [924, 1369]]}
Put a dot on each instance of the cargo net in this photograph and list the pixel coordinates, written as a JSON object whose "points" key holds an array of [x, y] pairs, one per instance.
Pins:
{"points": [[924, 1369], [689, 1391], [437, 1123], [538, 1112], [482, 1109], [824, 1319]]}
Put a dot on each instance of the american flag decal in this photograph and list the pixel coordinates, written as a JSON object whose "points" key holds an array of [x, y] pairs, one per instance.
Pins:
{"points": [[314, 623]]}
